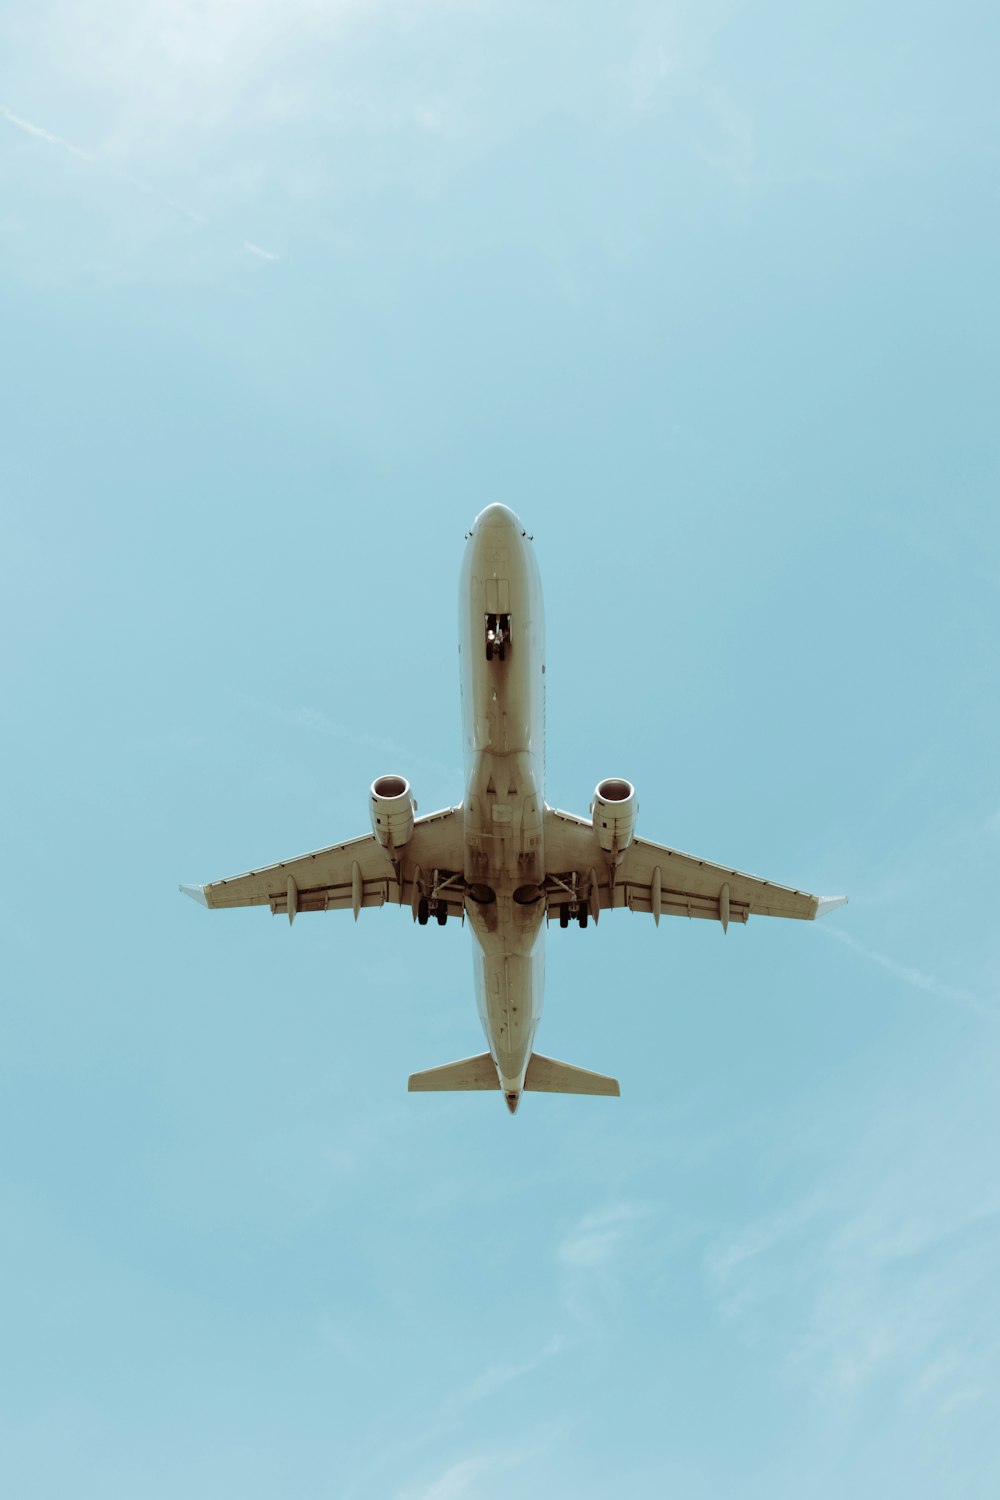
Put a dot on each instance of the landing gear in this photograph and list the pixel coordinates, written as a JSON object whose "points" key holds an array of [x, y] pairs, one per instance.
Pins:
{"points": [[426, 908], [573, 911], [497, 636], [431, 899], [567, 893]]}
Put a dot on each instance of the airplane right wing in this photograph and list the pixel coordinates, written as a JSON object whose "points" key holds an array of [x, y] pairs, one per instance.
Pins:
{"points": [[653, 878], [352, 875]]}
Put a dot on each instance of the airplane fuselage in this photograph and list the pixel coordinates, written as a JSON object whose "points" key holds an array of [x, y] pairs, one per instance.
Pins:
{"points": [[501, 645]]}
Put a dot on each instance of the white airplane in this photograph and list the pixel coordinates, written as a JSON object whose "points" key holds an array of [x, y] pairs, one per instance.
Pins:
{"points": [[503, 857]]}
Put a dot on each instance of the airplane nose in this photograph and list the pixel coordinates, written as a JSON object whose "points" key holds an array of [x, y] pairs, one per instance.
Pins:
{"points": [[498, 516]]}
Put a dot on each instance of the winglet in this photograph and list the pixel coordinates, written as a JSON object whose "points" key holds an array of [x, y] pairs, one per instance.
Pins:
{"points": [[196, 892], [828, 903]]}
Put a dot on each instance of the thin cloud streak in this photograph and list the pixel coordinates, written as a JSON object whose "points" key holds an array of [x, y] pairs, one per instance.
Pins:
{"points": [[458, 1480], [916, 978], [38, 132], [596, 1239], [253, 249], [28, 128], [471, 1476], [497, 1376]]}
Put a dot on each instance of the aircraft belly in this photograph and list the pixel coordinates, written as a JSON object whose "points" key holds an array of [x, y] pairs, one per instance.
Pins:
{"points": [[502, 697], [509, 991], [504, 723]]}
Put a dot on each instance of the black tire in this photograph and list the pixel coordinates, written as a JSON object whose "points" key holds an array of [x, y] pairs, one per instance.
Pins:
{"points": [[502, 653], [442, 914], [423, 911], [563, 917], [489, 651], [584, 914]]}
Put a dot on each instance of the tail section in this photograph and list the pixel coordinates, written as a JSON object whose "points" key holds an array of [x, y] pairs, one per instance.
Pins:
{"points": [[470, 1073], [546, 1076]]}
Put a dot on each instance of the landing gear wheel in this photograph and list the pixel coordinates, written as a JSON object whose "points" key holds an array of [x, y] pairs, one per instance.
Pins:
{"points": [[489, 651], [423, 911], [502, 652], [583, 916], [442, 913], [563, 917]]}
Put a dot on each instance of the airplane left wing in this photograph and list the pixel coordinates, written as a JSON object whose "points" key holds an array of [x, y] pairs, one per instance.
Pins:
{"points": [[353, 875], [653, 878]]}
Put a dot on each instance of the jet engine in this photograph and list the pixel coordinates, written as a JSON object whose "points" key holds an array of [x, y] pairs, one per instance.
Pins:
{"points": [[613, 810], [392, 808]]}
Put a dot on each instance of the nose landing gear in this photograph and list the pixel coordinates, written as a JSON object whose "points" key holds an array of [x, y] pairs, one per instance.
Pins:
{"points": [[497, 636]]}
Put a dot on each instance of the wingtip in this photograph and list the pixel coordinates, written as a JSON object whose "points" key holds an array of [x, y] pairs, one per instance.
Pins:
{"points": [[829, 903], [196, 892]]}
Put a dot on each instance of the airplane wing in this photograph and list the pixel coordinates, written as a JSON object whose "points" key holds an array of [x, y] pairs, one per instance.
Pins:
{"points": [[349, 876], [652, 878]]}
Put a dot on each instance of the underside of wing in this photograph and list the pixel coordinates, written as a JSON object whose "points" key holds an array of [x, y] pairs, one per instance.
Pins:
{"points": [[690, 887], [652, 878], [353, 875]]}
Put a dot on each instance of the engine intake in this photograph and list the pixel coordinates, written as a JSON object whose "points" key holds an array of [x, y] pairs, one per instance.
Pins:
{"points": [[614, 810], [392, 808]]}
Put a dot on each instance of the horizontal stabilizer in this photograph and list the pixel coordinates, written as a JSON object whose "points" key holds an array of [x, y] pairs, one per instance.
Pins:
{"points": [[546, 1076], [470, 1073]]}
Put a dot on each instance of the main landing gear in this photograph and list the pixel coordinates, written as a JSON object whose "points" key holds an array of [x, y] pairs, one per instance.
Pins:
{"points": [[573, 911], [497, 636], [431, 900]]}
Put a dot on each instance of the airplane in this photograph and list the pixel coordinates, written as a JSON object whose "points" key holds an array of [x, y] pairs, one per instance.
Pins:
{"points": [[503, 858]]}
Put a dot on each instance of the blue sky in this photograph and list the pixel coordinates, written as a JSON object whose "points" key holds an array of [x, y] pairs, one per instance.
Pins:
{"points": [[707, 294]]}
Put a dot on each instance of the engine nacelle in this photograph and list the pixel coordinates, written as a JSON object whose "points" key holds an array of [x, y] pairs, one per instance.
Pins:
{"points": [[392, 807], [613, 810]]}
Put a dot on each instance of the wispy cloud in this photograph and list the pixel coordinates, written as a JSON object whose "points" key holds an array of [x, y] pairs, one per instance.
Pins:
{"points": [[595, 1257], [258, 250], [504, 1373], [884, 1272], [483, 1473], [732, 146], [459, 1479], [915, 977], [728, 1260], [28, 128], [895, 1300], [316, 721], [597, 1238], [127, 179]]}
